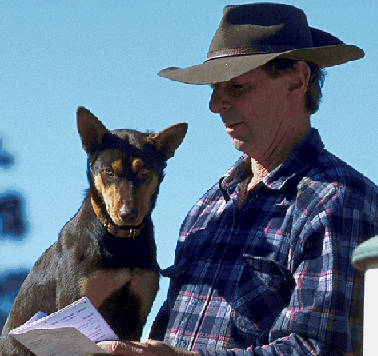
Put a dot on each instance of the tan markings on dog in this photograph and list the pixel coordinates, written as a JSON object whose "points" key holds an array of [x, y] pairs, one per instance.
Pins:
{"points": [[117, 167], [145, 284], [139, 167], [137, 164], [97, 210], [101, 284], [120, 194], [114, 196]]}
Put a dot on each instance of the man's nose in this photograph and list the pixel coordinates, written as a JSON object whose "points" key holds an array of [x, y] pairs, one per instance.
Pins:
{"points": [[219, 101]]}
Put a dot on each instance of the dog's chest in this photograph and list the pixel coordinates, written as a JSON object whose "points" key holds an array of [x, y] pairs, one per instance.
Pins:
{"points": [[100, 285]]}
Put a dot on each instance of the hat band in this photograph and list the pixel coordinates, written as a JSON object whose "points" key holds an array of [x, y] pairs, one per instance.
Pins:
{"points": [[229, 52]]}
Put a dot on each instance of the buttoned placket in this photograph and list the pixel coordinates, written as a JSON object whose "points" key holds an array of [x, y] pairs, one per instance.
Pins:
{"points": [[229, 206]]}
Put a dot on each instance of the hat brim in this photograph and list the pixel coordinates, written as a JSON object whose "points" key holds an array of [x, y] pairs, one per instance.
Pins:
{"points": [[225, 68]]}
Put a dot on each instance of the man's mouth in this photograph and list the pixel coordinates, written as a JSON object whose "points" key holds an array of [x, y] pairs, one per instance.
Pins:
{"points": [[232, 127]]}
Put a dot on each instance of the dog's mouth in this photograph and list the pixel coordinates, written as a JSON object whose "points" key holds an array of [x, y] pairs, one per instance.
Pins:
{"points": [[128, 226], [130, 231]]}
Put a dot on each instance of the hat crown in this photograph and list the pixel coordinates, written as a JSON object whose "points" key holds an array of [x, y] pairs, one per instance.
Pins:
{"points": [[262, 28]]}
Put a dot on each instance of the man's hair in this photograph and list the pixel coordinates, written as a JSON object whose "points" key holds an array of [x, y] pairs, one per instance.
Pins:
{"points": [[278, 66]]}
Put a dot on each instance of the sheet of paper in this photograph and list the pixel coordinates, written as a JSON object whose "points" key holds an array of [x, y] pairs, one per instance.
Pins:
{"points": [[81, 315], [37, 316], [58, 342]]}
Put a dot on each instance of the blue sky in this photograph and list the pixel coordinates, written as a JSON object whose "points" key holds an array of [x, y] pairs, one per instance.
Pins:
{"points": [[105, 55]]}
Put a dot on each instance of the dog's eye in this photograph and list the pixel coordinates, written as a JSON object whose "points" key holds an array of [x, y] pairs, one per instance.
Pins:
{"points": [[109, 172], [144, 171]]}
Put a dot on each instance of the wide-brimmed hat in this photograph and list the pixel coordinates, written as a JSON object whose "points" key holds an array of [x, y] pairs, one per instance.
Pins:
{"points": [[251, 35]]}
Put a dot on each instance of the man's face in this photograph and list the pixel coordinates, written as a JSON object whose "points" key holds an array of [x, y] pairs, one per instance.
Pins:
{"points": [[255, 110]]}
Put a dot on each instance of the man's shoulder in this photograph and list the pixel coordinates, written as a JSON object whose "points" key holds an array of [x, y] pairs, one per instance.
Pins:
{"points": [[334, 173], [333, 168]]}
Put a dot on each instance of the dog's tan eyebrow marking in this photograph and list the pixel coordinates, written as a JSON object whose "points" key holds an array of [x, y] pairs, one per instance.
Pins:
{"points": [[117, 166], [137, 164]]}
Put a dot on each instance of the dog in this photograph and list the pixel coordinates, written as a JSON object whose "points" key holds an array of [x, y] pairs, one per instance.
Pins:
{"points": [[107, 251]]}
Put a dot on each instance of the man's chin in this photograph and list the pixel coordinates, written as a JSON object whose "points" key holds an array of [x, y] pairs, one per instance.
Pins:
{"points": [[239, 145]]}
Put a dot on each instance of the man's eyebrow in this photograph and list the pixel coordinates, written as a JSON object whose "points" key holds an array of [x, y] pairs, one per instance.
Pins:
{"points": [[247, 81]]}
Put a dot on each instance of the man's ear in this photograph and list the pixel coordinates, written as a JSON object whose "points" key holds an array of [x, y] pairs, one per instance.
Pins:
{"points": [[299, 78]]}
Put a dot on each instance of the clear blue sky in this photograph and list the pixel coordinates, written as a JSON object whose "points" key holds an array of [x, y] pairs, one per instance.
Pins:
{"points": [[105, 55]]}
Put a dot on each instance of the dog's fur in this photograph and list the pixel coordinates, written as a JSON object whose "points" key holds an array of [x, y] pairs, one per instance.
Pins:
{"points": [[107, 251]]}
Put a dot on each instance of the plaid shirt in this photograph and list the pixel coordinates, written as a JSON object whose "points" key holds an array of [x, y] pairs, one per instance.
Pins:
{"points": [[272, 275]]}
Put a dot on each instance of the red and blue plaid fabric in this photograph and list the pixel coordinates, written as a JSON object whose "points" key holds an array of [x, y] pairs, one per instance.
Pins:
{"points": [[273, 276]]}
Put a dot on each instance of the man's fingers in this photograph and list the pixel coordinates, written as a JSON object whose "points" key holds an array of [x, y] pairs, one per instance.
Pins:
{"points": [[143, 348], [121, 347]]}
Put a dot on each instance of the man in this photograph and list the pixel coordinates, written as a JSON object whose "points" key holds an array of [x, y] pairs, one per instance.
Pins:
{"points": [[263, 263]]}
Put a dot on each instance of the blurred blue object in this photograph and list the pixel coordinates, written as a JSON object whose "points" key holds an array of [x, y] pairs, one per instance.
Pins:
{"points": [[10, 283], [6, 159], [12, 220]]}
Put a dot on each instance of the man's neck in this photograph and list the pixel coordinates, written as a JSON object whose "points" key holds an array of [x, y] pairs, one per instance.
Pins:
{"points": [[261, 168]]}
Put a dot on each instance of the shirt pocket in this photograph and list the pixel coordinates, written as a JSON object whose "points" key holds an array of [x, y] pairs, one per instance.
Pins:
{"points": [[262, 291]]}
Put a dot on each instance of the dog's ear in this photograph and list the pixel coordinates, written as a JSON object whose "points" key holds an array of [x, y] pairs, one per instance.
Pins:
{"points": [[170, 138], [90, 128]]}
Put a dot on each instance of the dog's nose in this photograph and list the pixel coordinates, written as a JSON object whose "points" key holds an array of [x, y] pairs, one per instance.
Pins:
{"points": [[129, 214], [134, 212]]}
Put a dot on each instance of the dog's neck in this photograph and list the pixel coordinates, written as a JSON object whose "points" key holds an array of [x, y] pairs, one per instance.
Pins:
{"points": [[124, 231]]}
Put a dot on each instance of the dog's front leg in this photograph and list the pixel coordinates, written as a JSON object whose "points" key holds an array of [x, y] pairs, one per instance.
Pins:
{"points": [[68, 289]]}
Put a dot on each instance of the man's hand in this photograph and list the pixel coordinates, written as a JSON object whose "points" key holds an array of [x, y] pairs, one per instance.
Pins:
{"points": [[144, 348]]}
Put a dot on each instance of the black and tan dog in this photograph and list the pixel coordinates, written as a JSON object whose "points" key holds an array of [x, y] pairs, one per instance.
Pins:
{"points": [[107, 250]]}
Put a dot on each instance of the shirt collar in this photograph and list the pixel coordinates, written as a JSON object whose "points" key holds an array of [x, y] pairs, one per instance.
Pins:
{"points": [[301, 157]]}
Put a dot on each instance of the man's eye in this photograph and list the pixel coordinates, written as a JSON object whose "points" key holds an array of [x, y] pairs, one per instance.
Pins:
{"points": [[242, 86]]}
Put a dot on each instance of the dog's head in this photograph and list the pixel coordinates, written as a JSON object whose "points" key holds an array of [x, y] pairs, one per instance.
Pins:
{"points": [[125, 169]]}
